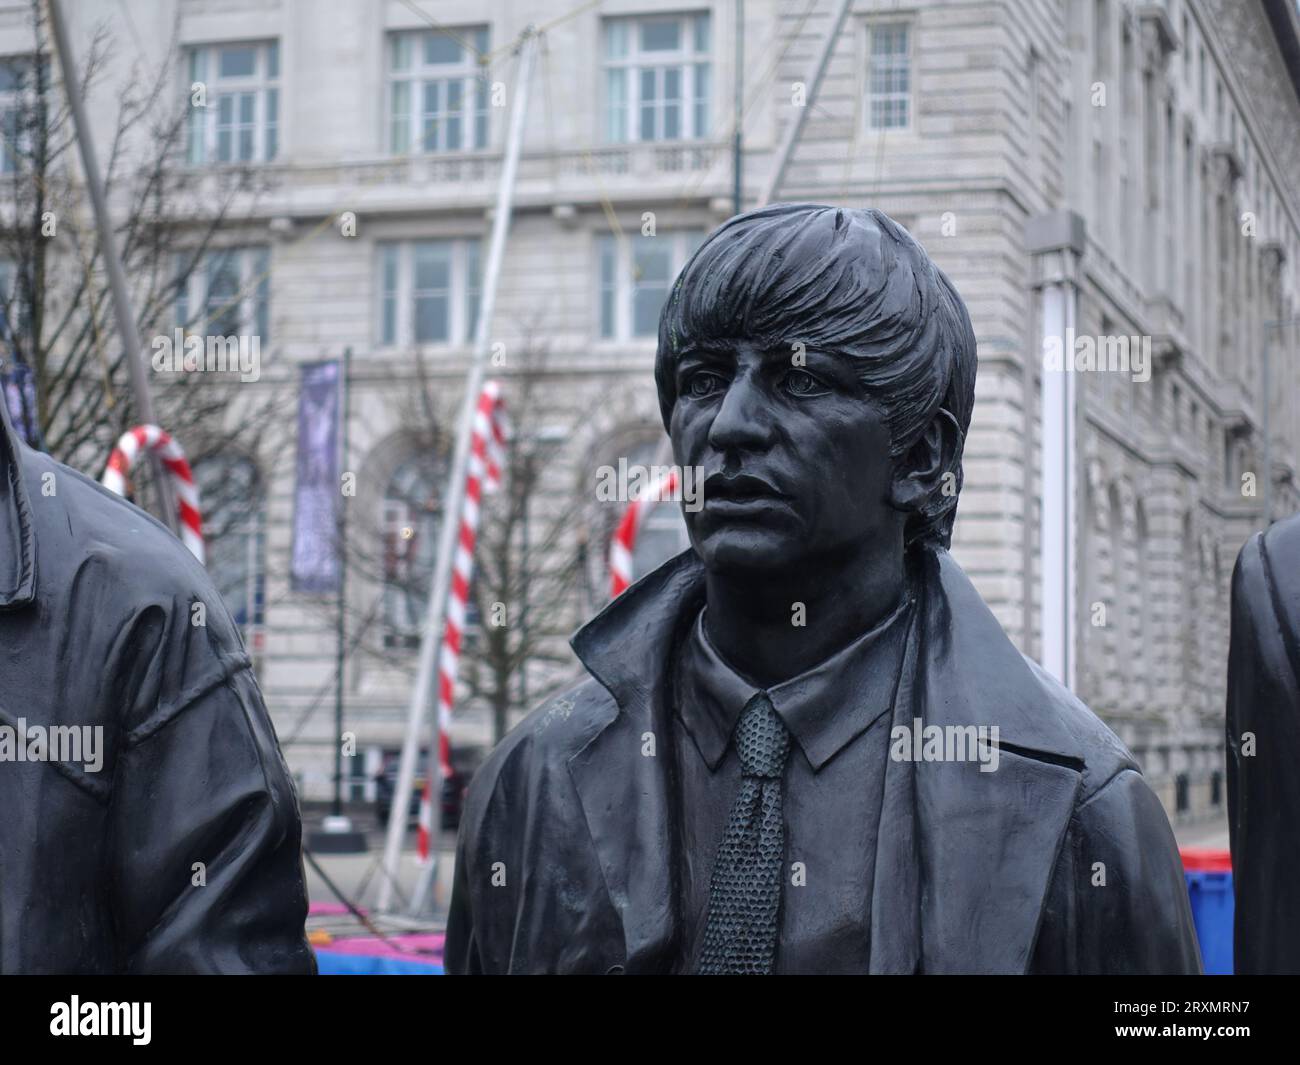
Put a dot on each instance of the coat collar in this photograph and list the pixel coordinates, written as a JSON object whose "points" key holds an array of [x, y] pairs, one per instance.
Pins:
{"points": [[624, 790], [825, 708], [17, 538], [964, 857]]}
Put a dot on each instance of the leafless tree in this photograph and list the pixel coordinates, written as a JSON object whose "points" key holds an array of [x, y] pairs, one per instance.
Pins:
{"points": [[528, 561], [62, 359]]}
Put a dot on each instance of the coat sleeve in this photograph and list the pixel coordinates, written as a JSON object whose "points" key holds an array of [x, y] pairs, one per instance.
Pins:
{"points": [[528, 895], [207, 873], [461, 954], [484, 906], [1119, 892]]}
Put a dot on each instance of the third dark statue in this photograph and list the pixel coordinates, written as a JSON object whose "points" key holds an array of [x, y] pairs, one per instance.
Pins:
{"points": [[1264, 750], [806, 744]]}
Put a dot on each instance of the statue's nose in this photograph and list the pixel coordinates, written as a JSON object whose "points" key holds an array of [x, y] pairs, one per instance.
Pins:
{"points": [[743, 421]]}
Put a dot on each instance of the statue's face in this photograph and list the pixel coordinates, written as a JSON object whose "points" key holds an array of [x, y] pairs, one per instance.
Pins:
{"points": [[795, 459]]}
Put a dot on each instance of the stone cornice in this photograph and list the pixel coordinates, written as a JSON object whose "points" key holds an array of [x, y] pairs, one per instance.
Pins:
{"points": [[1159, 41]]}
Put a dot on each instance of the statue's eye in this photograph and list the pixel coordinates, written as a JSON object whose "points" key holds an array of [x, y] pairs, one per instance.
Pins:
{"points": [[700, 385], [801, 383]]}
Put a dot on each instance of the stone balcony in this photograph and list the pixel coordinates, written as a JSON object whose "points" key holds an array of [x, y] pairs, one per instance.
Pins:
{"points": [[633, 175]]}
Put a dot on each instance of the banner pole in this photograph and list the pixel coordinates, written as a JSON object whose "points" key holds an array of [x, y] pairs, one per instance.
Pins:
{"points": [[454, 499]]}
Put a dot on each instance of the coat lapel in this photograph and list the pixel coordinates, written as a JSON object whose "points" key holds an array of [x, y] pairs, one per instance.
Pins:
{"points": [[987, 842], [895, 897], [624, 791]]}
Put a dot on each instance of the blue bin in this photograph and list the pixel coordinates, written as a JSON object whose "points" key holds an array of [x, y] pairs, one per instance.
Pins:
{"points": [[1212, 904], [334, 963]]}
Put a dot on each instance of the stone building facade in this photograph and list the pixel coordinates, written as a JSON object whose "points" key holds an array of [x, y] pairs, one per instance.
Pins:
{"points": [[1168, 129]]}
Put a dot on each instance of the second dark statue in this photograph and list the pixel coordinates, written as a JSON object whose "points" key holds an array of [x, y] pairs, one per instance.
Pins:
{"points": [[806, 745]]}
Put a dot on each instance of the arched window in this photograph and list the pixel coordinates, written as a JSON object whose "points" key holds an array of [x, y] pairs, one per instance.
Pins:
{"points": [[409, 523], [234, 531], [1089, 592], [1190, 609]]}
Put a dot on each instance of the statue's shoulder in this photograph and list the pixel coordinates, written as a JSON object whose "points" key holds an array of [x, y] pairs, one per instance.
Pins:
{"points": [[1266, 586], [1283, 540], [1012, 688], [541, 745], [1269, 562], [1101, 753], [85, 519]]}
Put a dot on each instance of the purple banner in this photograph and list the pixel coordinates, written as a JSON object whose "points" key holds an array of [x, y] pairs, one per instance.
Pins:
{"points": [[314, 565], [20, 399]]}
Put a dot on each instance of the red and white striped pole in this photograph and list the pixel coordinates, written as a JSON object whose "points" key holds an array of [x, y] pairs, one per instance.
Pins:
{"points": [[487, 445], [440, 584], [149, 438], [620, 548]]}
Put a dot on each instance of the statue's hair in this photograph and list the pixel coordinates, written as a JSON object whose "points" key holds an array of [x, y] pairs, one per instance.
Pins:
{"points": [[846, 282]]}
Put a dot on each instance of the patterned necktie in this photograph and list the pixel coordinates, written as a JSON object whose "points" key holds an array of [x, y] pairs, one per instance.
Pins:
{"points": [[745, 892]]}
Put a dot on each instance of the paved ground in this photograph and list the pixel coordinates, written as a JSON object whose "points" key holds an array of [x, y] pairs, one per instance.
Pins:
{"points": [[1204, 834], [357, 877]]}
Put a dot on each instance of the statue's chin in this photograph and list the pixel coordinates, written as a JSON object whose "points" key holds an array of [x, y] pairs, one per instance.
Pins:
{"points": [[749, 549]]}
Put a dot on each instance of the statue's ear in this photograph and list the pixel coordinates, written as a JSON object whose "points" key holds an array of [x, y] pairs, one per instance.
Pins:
{"points": [[921, 474]]}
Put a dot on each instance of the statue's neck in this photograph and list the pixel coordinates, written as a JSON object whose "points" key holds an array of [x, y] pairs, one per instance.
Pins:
{"points": [[772, 629]]}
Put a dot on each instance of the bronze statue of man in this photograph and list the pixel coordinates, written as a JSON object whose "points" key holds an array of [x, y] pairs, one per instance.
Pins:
{"points": [[148, 824], [806, 744]]}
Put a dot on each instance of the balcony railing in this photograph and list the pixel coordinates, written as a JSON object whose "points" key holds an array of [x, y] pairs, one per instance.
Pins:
{"points": [[626, 164]]}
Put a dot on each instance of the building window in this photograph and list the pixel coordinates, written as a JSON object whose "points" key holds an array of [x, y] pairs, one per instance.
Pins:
{"points": [[240, 119], [635, 274], [429, 291], [657, 78], [1100, 40], [15, 312], [234, 534], [18, 111], [409, 521], [437, 90], [889, 76], [1182, 793], [227, 293]]}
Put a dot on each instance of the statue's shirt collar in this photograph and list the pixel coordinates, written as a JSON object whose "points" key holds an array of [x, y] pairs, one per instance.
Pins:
{"points": [[824, 708]]}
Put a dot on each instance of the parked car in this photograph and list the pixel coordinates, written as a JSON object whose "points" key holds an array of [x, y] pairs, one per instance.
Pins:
{"points": [[464, 762]]}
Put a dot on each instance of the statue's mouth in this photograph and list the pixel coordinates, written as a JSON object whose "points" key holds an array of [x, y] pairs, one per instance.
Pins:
{"points": [[739, 488], [741, 495]]}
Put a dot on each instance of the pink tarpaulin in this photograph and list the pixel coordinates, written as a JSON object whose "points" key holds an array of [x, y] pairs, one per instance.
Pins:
{"points": [[423, 946], [414, 954]]}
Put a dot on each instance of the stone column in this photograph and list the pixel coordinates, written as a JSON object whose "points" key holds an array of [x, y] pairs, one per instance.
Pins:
{"points": [[1056, 242]]}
